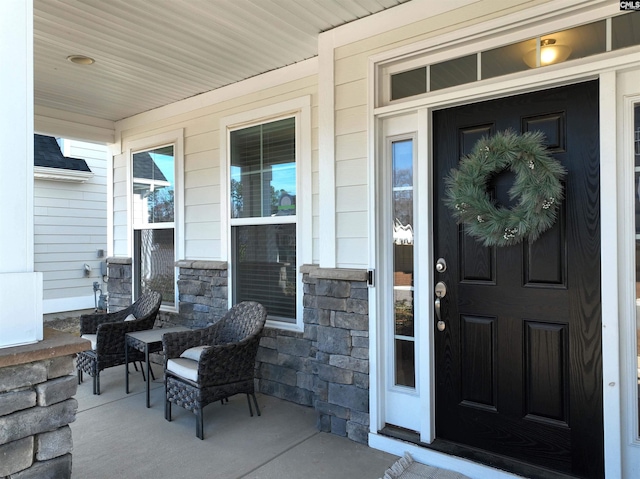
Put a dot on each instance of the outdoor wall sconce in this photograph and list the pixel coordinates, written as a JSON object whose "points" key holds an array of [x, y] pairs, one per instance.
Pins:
{"points": [[550, 52]]}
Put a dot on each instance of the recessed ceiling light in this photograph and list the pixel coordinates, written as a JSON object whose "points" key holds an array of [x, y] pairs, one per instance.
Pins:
{"points": [[80, 59]]}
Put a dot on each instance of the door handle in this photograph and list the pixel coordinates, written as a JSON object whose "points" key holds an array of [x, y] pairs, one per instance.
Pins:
{"points": [[441, 291], [441, 325]]}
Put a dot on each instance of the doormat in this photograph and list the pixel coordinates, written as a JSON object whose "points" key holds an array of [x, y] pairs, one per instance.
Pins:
{"points": [[407, 468]]}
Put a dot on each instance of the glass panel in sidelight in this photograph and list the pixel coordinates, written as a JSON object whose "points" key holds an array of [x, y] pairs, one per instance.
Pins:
{"points": [[403, 306], [636, 129], [403, 265], [405, 363]]}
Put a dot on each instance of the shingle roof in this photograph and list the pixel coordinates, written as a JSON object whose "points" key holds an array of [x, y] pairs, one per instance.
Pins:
{"points": [[46, 152]]}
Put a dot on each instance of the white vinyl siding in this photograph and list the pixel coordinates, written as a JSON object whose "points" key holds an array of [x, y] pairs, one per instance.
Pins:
{"points": [[352, 89], [70, 226]]}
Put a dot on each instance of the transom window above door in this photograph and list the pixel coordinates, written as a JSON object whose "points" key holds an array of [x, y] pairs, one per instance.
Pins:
{"points": [[411, 77]]}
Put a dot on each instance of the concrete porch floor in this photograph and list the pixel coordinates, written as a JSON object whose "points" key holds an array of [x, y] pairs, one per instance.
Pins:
{"points": [[116, 436]]}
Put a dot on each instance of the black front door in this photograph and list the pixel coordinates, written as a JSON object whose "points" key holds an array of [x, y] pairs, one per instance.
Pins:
{"points": [[519, 365]]}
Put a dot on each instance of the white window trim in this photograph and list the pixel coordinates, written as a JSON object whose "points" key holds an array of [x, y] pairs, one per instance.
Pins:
{"points": [[300, 108], [176, 138]]}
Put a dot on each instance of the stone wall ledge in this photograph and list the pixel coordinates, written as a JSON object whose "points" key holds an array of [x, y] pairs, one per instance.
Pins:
{"points": [[344, 274], [119, 260], [201, 264], [54, 344]]}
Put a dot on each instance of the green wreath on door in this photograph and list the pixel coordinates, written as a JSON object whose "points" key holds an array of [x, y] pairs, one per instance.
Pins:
{"points": [[537, 189]]}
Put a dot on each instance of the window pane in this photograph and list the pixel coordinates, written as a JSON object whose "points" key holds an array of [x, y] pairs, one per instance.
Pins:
{"points": [[153, 186], [636, 128], [409, 83], [403, 305], [263, 170], [507, 59], [264, 268], [154, 258], [454, 72], [402, 153], [582, 41], [405, 363], [625, 30]]}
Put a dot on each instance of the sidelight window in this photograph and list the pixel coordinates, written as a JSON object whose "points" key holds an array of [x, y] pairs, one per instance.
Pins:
{"points": [[403, 269], [636, 151]]}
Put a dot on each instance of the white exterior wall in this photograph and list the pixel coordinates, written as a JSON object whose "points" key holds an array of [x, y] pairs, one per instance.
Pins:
{"points": [[202, 230], [352, 90], [70, 226]]}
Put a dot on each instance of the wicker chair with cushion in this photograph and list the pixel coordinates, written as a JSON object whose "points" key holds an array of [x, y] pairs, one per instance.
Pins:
{"points": [[106, 333], [213, 363]]}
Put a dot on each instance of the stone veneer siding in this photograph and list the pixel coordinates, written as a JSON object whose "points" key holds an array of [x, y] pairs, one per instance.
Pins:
{"points": [[37, 385], [202, 291], [119, 286], [326, 366]]}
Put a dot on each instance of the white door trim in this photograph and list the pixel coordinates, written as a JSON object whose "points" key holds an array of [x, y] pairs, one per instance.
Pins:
{"points": [[627, 95], [605, 71]]}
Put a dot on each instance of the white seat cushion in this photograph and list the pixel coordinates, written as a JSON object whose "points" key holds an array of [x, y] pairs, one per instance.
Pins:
{"points": [[91, 337], [131, 317], [186, 368], [194, 353]]}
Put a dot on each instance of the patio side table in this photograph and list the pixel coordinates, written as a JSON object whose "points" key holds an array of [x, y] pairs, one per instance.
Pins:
{"points": [[147, 341]]}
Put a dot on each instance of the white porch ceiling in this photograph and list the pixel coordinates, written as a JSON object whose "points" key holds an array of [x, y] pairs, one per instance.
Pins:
{"points": [[152, 53]]}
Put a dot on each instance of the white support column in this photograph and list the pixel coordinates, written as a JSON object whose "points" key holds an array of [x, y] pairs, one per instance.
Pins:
{"points": [[20, 286], [326, 145]]}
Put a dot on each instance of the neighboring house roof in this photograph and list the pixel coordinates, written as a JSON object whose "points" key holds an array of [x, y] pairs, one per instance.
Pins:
{"points": [[46, 152], [50, 164], [145, 167]]}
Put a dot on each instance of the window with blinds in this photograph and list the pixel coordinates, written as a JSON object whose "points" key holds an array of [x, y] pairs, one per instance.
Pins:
{"points": [[263, 216]]}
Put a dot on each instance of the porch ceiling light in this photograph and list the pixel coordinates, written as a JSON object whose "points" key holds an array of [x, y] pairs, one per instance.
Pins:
{"points": [[550, 53], [81, 59]]}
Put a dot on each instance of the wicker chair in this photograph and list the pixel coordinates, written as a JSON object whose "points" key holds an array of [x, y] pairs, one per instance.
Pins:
{"points": [[109, 330], [213, 363]]}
